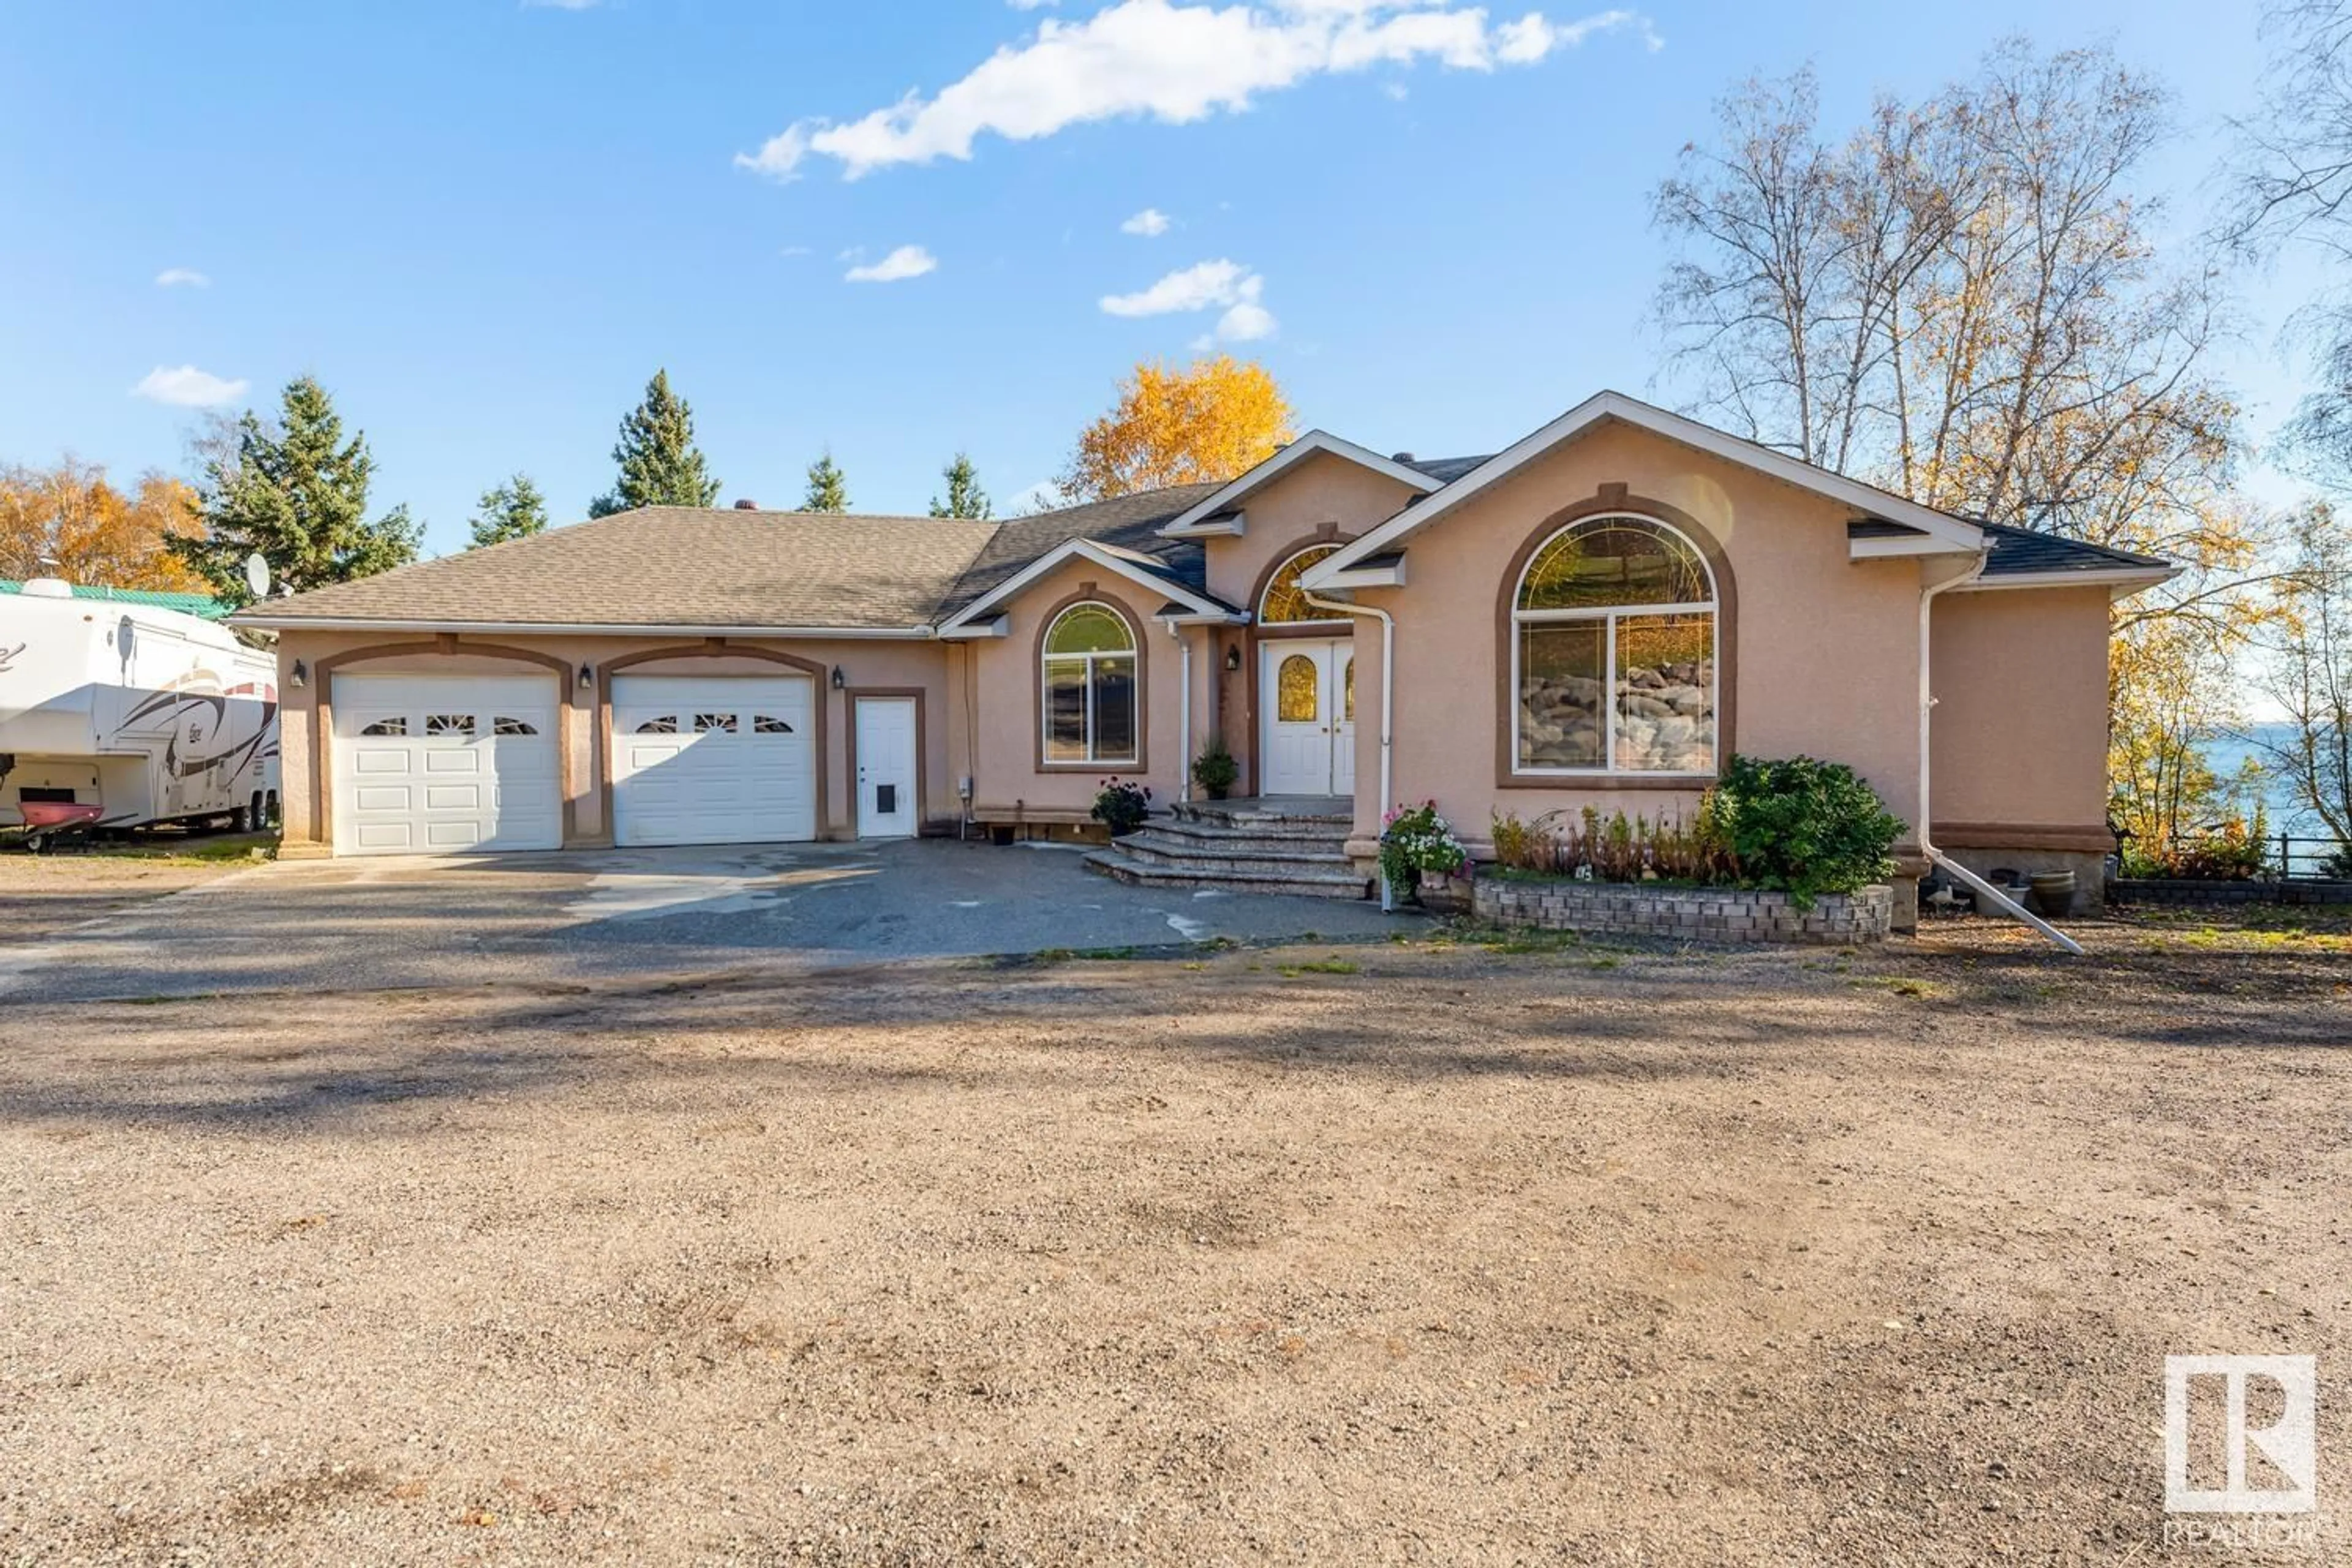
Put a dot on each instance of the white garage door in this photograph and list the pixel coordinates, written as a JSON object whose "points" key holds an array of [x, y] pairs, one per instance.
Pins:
{"points": [[713, 760], [444, 764]]}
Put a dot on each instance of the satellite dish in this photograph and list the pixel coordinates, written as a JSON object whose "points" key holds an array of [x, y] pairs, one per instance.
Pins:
{"points": [[257, 575]]}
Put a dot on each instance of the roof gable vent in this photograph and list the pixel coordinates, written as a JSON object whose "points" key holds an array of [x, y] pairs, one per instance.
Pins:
{"points": [[747, 504], [1400, 457]]}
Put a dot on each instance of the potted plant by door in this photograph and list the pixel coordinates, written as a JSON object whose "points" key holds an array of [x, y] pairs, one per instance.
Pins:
{"points": [[1414, 839], [1214, 769]]}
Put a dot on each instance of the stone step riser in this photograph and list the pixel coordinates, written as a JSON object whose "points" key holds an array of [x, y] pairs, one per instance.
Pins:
{"points": [[1261, 845], [1137, 874], [1261, 821], [1238, 866]]}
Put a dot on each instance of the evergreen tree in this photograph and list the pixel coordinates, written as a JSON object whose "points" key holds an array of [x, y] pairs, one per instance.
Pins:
{"points": [[965, 498], [661, 465], [296, 491], [512, 510], [827, 491]]}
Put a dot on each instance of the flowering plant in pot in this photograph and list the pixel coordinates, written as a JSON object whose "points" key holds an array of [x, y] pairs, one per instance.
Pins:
{"points": [[1121, 807], [1413, 839]]}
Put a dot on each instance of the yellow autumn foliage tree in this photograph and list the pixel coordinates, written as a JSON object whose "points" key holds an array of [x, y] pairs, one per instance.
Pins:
{"points": [[1211, 420], [66, 520]]}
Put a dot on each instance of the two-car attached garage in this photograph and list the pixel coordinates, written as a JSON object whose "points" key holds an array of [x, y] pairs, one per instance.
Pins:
{"points": [[451, 764]]}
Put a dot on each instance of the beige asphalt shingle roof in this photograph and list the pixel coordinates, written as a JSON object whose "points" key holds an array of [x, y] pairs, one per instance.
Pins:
{"points": [[687, 566], [674, 566]]}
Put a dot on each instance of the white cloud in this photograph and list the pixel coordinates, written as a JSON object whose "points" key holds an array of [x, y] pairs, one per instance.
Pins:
{"points": [[780, 156], [558, 5], [906, 261], [1194, 289], [1209, 286], [182, 278], [1245, 323], [1174, 62], [1151, 223], [1029, 4], [188, 388], [1397, 91]]}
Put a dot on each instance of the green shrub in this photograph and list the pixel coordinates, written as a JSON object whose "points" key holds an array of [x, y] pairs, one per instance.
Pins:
{"points": [[2234, 851], [1803, 827], [1121, 807], [1214, 768], [1415, 839]]}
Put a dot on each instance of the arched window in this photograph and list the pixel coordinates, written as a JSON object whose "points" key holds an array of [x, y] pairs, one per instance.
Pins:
{"points": [[1090, 686], [1285, 602], [1614, 652]]}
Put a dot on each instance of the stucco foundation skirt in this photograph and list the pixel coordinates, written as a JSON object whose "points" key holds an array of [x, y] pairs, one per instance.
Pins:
{"points": [[1687, 914]]}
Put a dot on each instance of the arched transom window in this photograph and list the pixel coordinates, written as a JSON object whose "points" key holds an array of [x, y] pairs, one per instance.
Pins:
{"points": [[1090, 686], [1285, 602], [1613, 653]]}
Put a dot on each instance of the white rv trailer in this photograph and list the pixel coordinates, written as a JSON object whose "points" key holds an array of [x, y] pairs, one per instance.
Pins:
{"points": [[149, 714]]}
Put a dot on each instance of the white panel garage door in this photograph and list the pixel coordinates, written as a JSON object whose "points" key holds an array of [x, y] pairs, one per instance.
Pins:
{"points": [[444, 764], [713, 760]]}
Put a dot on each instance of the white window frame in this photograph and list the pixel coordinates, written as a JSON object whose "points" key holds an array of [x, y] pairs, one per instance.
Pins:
{"points": [[1711, 607], [1132, 652]]}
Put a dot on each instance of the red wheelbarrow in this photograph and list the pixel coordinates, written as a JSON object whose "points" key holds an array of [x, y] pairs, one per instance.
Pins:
{"points": [[47, 822]]}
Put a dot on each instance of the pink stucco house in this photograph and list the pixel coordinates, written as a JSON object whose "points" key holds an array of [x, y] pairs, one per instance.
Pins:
{"points": [[1600, 613]]}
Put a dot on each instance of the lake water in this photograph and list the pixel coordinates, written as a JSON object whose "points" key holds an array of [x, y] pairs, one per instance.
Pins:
{"points": [[2287, 814]]}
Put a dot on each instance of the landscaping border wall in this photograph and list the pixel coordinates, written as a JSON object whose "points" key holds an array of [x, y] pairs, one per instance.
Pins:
{"points": [[1687, 914], [2152, 891]]}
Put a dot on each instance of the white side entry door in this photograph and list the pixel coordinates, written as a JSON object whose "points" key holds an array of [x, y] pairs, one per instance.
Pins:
{"points": [[886, 767]]}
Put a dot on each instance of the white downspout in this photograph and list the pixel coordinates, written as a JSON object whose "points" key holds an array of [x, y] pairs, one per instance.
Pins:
{"points": [[1388, 703], [1935, 856], [1183, 715]]}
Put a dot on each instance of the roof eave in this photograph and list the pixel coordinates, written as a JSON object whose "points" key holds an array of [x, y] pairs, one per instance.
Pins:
{"points": [[567, 628], [1230, 497], [1958, 534], [2121, 582]]}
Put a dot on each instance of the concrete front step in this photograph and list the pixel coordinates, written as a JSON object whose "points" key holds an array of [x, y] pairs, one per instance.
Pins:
{"points": [[1265, 816], [1200, 838], [1209, 862], [1301, 882]]}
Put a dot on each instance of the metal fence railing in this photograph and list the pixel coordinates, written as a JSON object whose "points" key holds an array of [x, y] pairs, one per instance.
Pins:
{"points": [[2300, 858]]}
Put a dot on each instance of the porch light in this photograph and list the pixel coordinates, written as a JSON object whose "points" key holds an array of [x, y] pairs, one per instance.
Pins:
{"points": [[839, 679], [587, 677], [301, 676], [1234, 657]]}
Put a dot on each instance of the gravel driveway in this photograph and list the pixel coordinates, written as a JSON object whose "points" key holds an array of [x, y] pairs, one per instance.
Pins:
{"points": [[1415, 1252]]}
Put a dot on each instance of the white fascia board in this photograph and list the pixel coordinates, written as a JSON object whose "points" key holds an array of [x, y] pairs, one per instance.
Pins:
{"points": [[1389, 576], [1077, 549], [1230, 525], [2121, 582], [1911, 544], [1229, 499], [548, 628], [1958, 534], [978, 631]]}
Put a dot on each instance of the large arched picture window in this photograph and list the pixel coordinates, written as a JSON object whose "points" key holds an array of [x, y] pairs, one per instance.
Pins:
{"points": [[1285, 602], [1613, 653], [1090, 686]]}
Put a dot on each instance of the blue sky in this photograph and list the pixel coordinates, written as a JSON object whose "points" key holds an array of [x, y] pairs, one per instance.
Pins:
{"points": [[483, 224]]}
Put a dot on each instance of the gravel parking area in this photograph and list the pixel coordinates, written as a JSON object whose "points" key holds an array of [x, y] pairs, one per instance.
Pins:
{"points": [[1439, 1250]]}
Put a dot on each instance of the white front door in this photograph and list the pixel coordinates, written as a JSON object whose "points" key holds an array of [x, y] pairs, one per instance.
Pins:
{"points": [[444, 764], [713, 760], [1306, 729], [886, 767]]}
